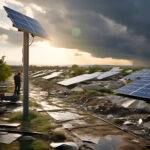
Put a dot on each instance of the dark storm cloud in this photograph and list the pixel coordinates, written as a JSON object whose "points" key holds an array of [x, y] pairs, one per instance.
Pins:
{"points": [[105, 28]]}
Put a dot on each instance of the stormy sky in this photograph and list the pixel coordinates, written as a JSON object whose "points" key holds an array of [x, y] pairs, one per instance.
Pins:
{"points": [[117, 29]]}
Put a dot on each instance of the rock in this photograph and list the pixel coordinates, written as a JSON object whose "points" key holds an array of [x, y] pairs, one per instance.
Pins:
{"points": [[141, 105], [147, 125], [2, 109], [147, 118], [64, 146], [109, 116], [140, 121], [128, 123], [28, 138], [135, 141], [77, 89]]}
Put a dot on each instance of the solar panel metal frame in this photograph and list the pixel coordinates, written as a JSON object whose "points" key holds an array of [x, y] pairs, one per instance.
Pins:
{"points": [[79, 79], [25, 23]]}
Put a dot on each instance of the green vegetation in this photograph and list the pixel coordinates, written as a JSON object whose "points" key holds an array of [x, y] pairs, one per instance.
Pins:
{"points": [[93, 69], [39, 145], [5, 70], [75, 70], [38, 121]]}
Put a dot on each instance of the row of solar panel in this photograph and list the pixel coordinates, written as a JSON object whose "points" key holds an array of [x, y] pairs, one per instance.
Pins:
{"points": [[140, 87], [142, 74]]}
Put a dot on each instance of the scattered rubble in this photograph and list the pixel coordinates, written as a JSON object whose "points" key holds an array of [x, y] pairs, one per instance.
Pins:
{"points": [[98, 97]]}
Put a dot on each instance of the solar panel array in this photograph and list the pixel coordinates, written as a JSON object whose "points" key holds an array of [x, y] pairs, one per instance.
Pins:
{"points": [[78, 79], [140, 87], [25, 23], [52, 75], [142, 74], [112, 72]]}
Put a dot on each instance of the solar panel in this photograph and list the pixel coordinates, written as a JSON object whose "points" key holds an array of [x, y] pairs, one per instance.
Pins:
{"points": [[112, 72], [25, 23], [39, 75], [78, 79], [139, 88], [35, 73], [142, 74], [53, 75]]}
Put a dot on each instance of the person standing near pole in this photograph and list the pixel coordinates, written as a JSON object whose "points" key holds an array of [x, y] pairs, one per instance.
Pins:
{"points": [[17, 81]]}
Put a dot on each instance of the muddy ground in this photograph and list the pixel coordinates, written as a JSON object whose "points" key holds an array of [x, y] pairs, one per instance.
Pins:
{"points": [[76, 113], [99, 98]]}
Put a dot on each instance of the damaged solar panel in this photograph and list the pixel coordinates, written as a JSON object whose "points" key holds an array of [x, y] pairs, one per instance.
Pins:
{"points": [[112, 72], [39, 74], [78, 79], [52, 75]]}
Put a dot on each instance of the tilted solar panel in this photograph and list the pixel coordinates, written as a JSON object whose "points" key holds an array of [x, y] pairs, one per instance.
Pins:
{"points": [[112, 72], [142, 74], [78, 79], [25, 23], [138, 88], [52, 75]]}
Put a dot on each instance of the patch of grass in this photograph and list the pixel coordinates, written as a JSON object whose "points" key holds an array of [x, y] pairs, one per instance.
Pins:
{"points": [[10, 89], [39, 145], [38, 121], [105, 90], [58, 136], [75, 70], [32, 103], [18, 116], [90, 92]]}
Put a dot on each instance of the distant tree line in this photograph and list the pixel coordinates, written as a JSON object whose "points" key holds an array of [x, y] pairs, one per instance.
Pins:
{"points": [[5, 70]]}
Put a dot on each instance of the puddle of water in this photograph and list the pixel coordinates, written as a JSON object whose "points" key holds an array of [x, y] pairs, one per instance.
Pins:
{"points": [[87, 137], [64, 116], [110, 142]]}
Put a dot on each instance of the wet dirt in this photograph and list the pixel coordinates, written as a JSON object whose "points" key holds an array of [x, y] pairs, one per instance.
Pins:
{"points": [[98, 132]]}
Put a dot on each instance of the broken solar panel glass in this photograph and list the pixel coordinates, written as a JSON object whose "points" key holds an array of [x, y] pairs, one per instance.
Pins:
{"points": [[25, 23], [78, 79], [139, 88], [52, 75]]}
